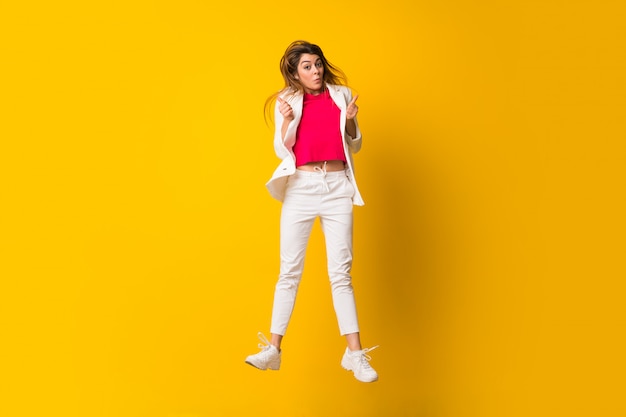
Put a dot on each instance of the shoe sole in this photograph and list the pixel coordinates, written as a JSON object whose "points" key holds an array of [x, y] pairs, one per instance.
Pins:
{"points": [[347, 368], [271, 368]]}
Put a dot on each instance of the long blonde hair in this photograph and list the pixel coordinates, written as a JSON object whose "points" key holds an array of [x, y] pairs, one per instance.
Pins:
{"points": [[289, 69]]}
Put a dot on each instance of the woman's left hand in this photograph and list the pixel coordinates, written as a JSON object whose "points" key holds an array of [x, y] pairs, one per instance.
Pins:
{"points": [[352, 109]]}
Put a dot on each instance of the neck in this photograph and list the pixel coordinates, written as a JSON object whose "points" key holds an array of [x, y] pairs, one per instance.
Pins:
{"points": [[314, 92]]}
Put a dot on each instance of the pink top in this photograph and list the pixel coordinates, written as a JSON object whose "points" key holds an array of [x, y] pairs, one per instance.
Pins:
{"points": [[318, 137]]}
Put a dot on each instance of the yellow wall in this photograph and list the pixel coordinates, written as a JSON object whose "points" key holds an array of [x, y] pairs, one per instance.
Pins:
{"points": [[138, 245]]}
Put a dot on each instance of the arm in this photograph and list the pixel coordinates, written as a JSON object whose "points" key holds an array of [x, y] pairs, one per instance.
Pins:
{"points": [[287, 112], [283, 129], [286, 119], [352, 127]]}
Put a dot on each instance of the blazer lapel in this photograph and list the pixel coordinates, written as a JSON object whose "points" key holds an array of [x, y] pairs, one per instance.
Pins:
{"points": [[337, 96]]}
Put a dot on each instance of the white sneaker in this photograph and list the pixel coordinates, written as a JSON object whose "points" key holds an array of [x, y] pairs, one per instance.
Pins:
{"points": [[358, 362], [267, 358]]}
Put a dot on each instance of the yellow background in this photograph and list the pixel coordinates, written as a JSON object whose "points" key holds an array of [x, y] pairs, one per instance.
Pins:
{"points": [[138, 244]]}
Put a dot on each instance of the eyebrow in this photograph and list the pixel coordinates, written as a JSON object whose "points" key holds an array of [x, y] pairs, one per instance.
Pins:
{"points": [[317, 60]]}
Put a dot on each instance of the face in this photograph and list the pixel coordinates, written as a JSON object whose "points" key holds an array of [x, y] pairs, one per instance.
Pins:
{"points": [[311, 73]]}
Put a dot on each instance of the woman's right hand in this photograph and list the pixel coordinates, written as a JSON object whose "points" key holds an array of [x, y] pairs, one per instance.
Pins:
{"points": [[285, 109]]}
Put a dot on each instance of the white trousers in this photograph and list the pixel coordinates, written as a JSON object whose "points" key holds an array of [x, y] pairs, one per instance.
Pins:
{"points": [[327, 195]]}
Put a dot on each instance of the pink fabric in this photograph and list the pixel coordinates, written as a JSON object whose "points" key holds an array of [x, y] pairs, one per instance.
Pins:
{"points": [[318, 137]]}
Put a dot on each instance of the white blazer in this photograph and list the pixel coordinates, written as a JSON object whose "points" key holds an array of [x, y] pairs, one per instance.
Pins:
{"points": [[284, 149]]}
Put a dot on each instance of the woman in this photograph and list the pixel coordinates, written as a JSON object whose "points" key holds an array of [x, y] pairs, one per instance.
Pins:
{"points": [[316, 132]]}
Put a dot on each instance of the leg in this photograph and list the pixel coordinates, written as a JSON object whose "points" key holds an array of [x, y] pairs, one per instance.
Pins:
{"points": [[337, 225], [336, 221], [276, 340], [295, 228], [354, 341]]}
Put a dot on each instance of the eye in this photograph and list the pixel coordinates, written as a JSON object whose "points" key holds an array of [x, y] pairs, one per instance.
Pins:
{"points": [[318, 64], [307, 67]]}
